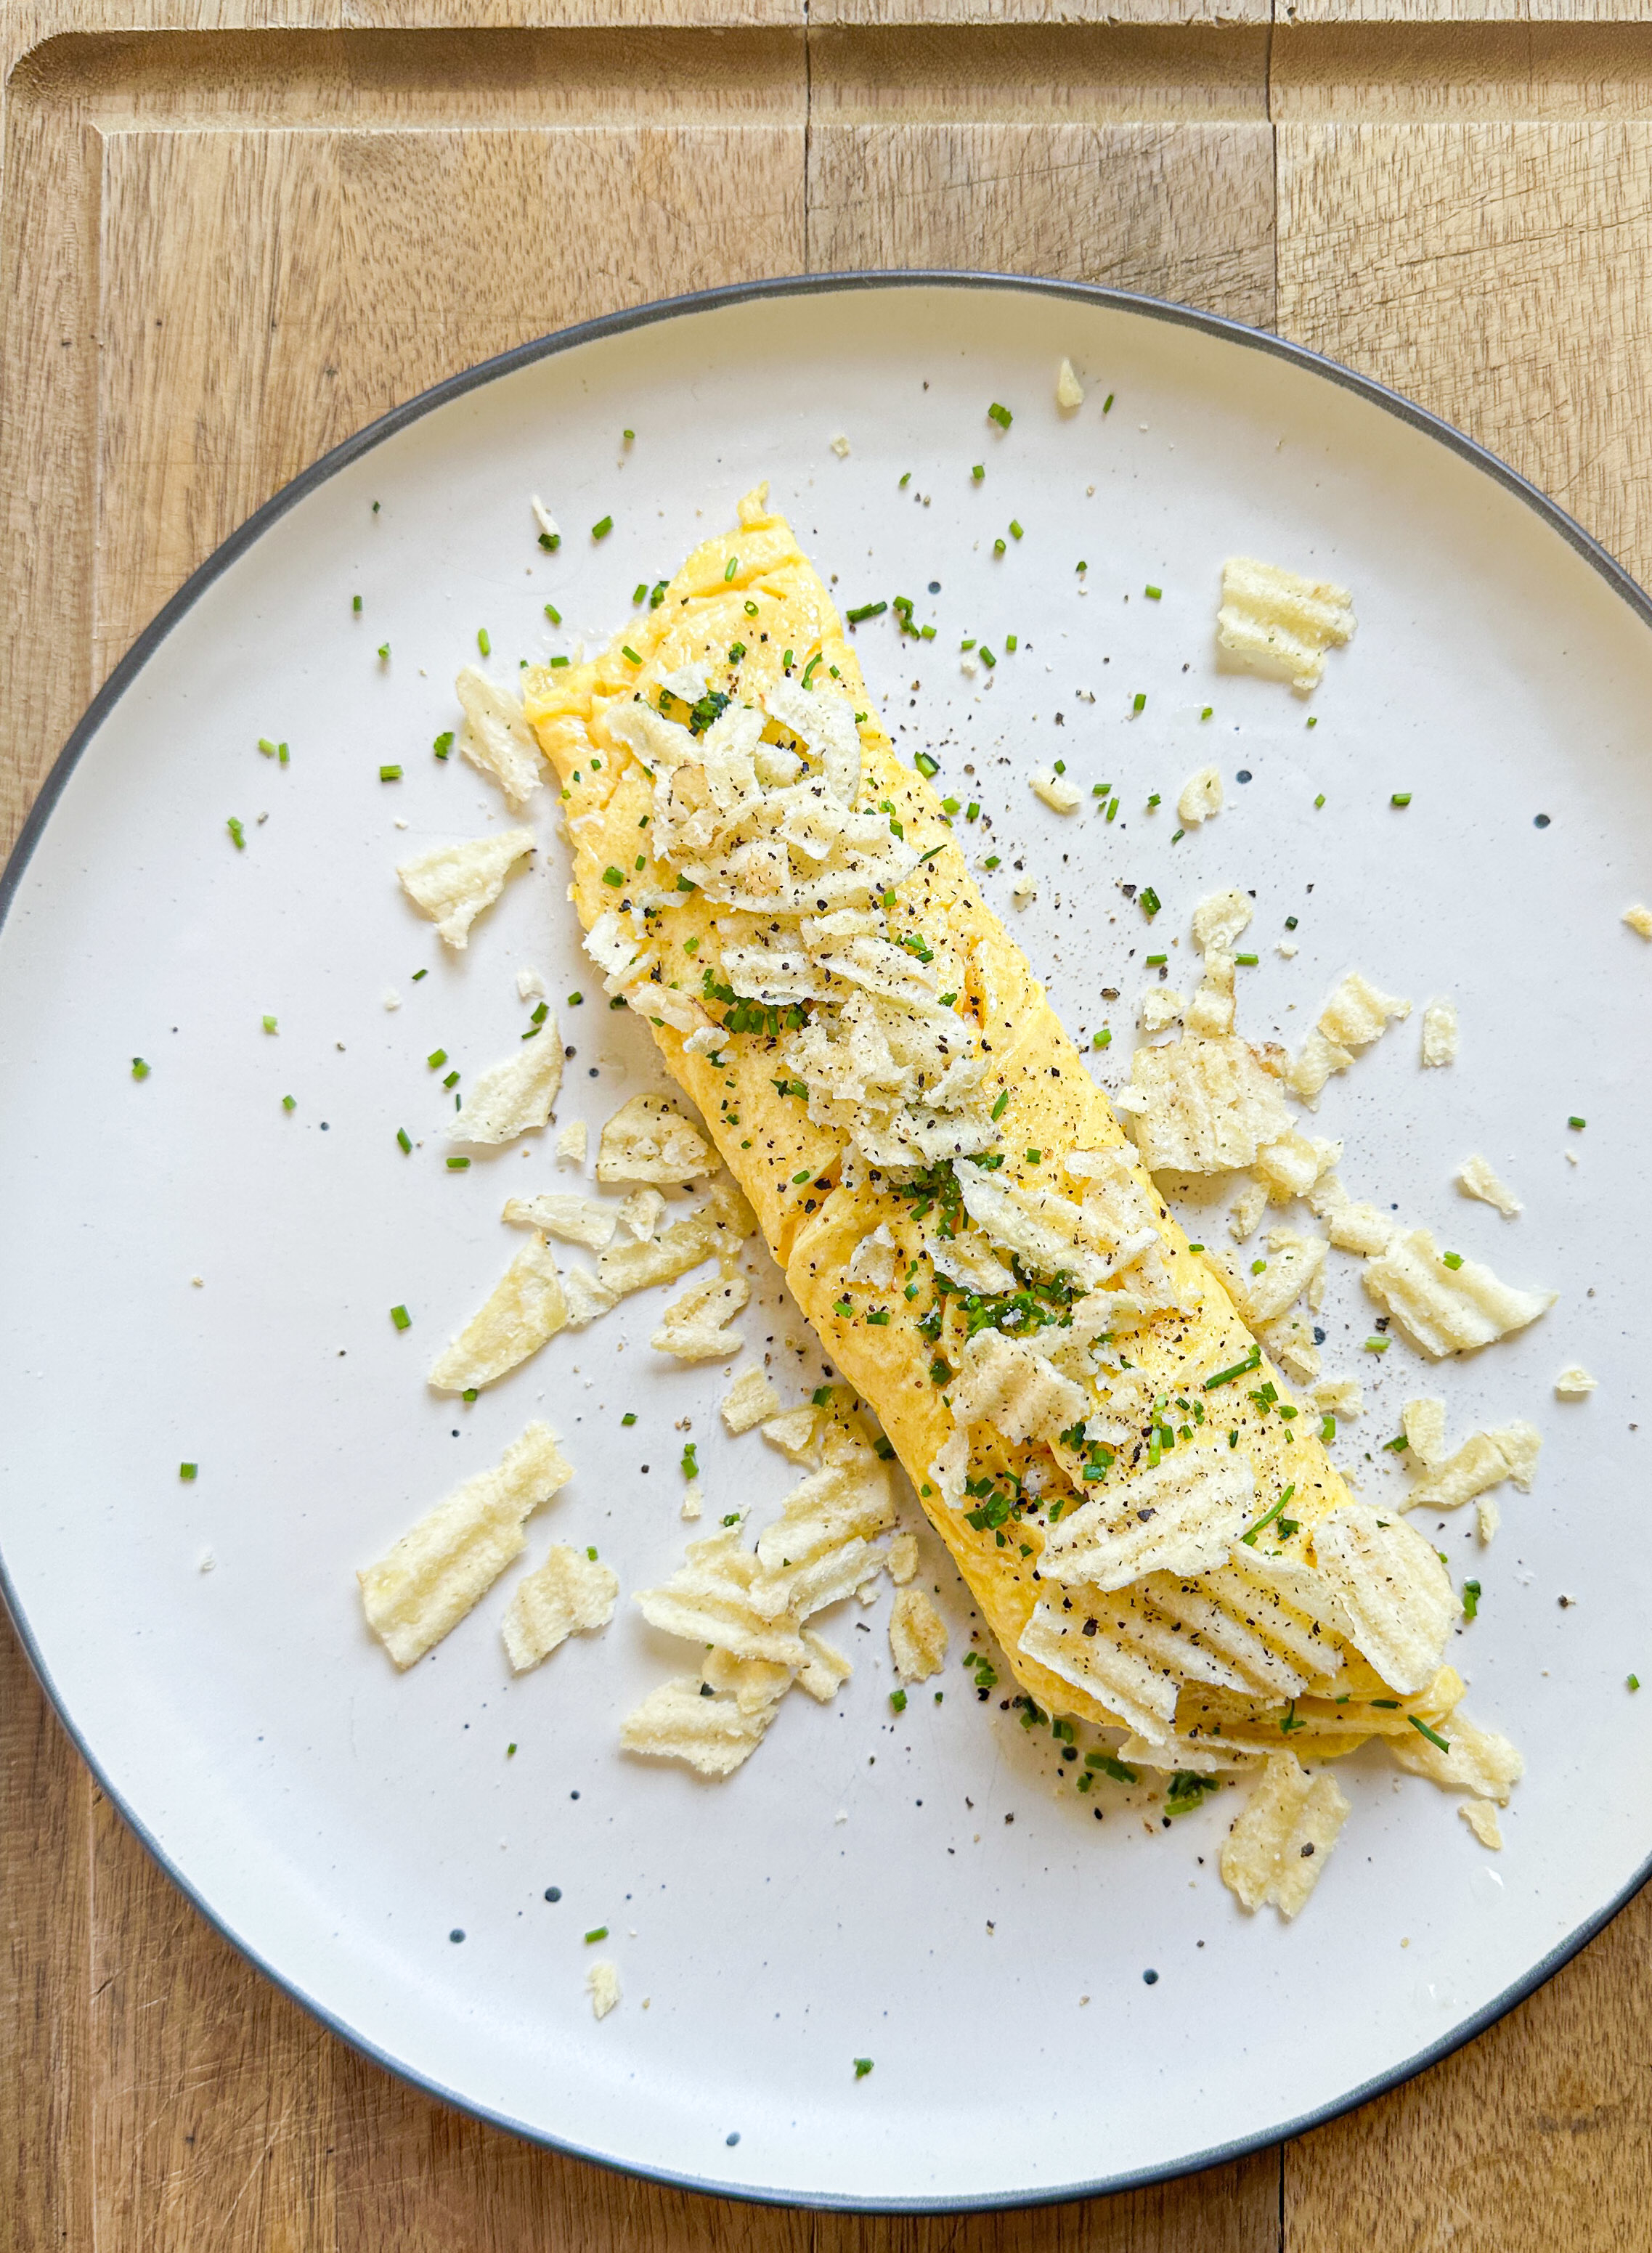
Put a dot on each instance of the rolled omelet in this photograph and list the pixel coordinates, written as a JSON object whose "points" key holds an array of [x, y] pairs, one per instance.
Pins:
{"points": [[1146, 1518]]}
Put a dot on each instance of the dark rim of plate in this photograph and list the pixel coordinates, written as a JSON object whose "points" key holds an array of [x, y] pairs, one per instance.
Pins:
{"points": [[440, 395]]}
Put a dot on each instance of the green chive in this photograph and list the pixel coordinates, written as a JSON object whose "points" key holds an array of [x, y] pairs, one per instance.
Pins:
{"points": [[1401, 797], [865, 611], [389, 774], [443, 743], [1452, 1259], [597, 1932], [1432, 1736], [1139, 703], [400, 1317], [1471, 1599], [626, 650], [731, 567], [1011, 644], [140, 1070], [238, 834], [1151, 902], [1376, 1345], [436, 1058], [927, 767], [355, 603], [601, 529], [628, 1418], [290, 1103], [1103, 1039], [384, 652], [1015, 532], [457, 1165], [897, 1701], [1001, 415], [863, 2065], [1001, 1105], [1577, 1124], [483, 641], [405, 1139], [267, 747], [186, 1471], [612, 876], [1633, 1682], [751, 609]]}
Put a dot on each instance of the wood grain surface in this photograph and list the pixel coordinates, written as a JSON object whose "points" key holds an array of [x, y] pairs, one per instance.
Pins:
{"points": [[232, 234]]}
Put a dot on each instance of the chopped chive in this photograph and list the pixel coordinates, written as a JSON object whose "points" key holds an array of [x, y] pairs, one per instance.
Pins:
{"points": [[400, 1317], [1154, 594], [1452, 1259], [639, 590], [626, 650], [1432, 1736], [1151, 902], [1015, 532], [451, 1081], [1400, 798], [281, 754], [1471, 1599], [269, 1024], [436, 1058], [612, 876], [732, 566], [186, 1471], [1328, 1430], [865, 611], [355, 603], [405, 1139], [1376, 1345], [597, 1932], [601, 529], [1000, 415], [1001, 1105], [238, 834], [384, 652], [140, 1070], [1103, 1039], [787, 662], [1247, 961], [927, 767], [863, 2065], [550, 542], [457, 1165], [797, 1180], [418, 974], [1633, 1682], [290, 1103], [751, 609], [443, 743], [977, 471], [1154, 960], [1139, 702], [553, 614], [389, 774], [999, 547], [267, 747], [559, 660], [1106, 403], [1011, 643], [987, 658], [1577, 1124], [901, 483], [482, 641], [1248, 1537], [897, 1701], [628, 1418]]}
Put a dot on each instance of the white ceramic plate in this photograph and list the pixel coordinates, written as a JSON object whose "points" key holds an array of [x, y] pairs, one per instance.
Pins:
{"points": [[918, 1890]]}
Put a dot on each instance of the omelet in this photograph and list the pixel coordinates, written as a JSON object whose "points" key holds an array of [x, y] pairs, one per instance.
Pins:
{"points": [[1145, 1517]]}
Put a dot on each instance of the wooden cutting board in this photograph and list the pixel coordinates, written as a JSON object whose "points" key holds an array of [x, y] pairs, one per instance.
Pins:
{"points": [[230, 234]]}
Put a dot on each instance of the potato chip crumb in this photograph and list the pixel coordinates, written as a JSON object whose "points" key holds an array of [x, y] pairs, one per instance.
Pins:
{"points": [[1339, 1396], [602, 1984], [1159, 1008], [1025, 891], [424, 1585], [1476, 1179], [902, 1559], [391, 998], [1201, 798], [1351, 1227], [1422, 1422], [1488, 1516], [1639, 918], [526, 1306], [454, 883], [1279, 623], [530, 984], [1481, 1820], [1290, 1339], [566, 1215], [1221, 920], [1294, 1164], [1205, 1106], [750, 1399], [795, 1433], [1292, 1265], [1286, 1829], [1439, 1034], [543, 518], [496, 737], [1574, 1383], [696, 1326], [710, 1733], [587, 1297], [570, 1143], [1248, 1209], [206, 1562], [841, 448], [693, 1501], [917, 1636], [1069, 393], [516, 1096], [571, 1593], [1476, 1760], [1059, 792], [1448, 1309], [648, 1139]]}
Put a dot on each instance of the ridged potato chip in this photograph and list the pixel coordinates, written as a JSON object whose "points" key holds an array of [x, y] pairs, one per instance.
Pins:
{"points": [[570, 1593], [1397, 1595], [526, 1306], [1277, 1848]]}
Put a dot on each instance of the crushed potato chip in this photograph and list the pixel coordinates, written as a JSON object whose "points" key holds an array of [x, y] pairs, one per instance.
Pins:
{"points": [[1477, 1179], [1478, 1760], [1439, 1034], [1290, 1339], [648, 1139], [453, 884], [1121, 1679], [752, 1683], [1291, 1166], [641, 1213], [825, 1669], [1159, 1008], [1483, 1461], [1351, 1227], [796, 1432], [587, 1297], [567, 1215], [1318, 1058], [719, 1226], [902, 1559], [1277, 1849], [602, 1984], [570, 1593], [1574, 1382], [496, 737], [1358, 1012], [570, 1143], [1207, 1105], [1477, 1813], [711, 1599], [872, 1262], [1639, 918], [713, 1735], [750, 1399], [695, 1326], [1398, 1594], [1069, 393], [1201, 797], [1182, 1517], [1006, 1383], [820, 1548], [693, 1501], [1448, 1309], [434, 1575], [1248, 1209], [1277, 623], [1292, 1265], [1422, 1422], [1339, 1396], [1060, 793], [515, 1097], [526, 1306], [917, 1636], [1221, 920]]}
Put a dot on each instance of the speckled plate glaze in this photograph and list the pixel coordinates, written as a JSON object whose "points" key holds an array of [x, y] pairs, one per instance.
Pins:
{"points": [[922, 1890]]}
